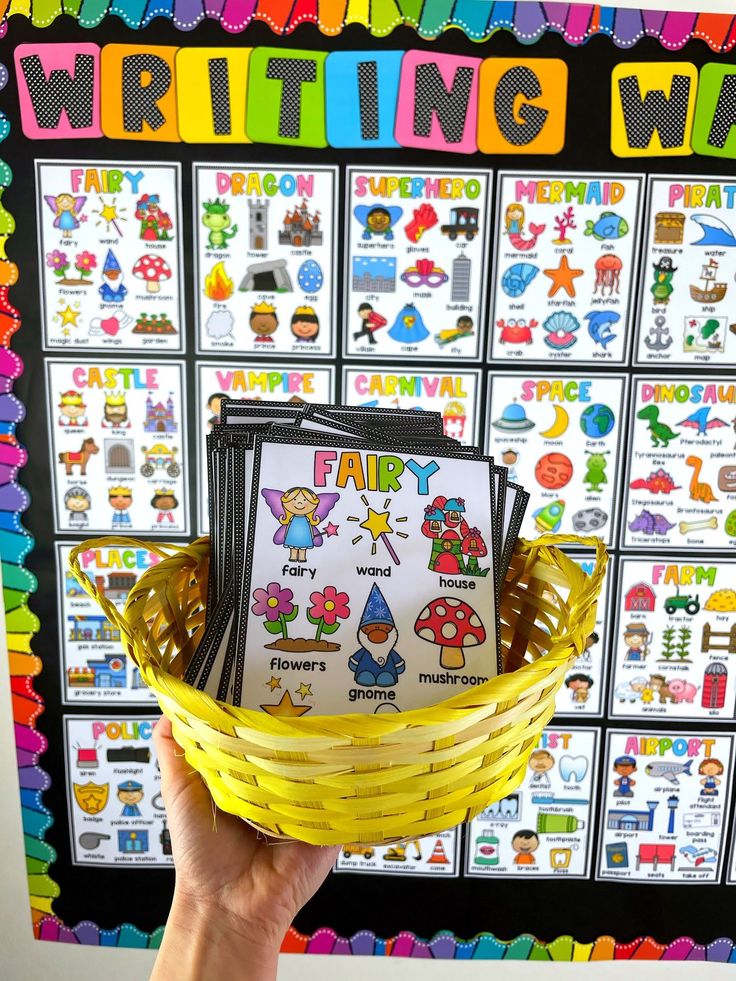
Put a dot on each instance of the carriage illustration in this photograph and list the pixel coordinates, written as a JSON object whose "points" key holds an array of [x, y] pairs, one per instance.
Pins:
{"points": [[160, 457]]}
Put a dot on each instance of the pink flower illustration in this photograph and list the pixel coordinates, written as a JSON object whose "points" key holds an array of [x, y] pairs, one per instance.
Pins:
{"points": [[85, 263], [57, 261], [329, 605], [272, 602]]}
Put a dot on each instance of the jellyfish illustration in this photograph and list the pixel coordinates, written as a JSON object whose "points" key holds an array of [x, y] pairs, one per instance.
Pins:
{"points": [[608, 274]]}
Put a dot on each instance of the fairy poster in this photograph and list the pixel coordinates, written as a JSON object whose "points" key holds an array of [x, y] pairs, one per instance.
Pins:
{"points": [[565, 263], [681, 478], [252, 381], [687, 279], [118, 446], [455, 394], [561, 438], [675, 631], [110, 255], [415, 263], [665, 806], [264, 259], [94, 665]]}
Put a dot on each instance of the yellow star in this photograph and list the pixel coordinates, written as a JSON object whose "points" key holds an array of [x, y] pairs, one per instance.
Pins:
{"points": [[274, 683], [304, 690], [377, 523], [108, 213], [69, 316], [287, 708]]}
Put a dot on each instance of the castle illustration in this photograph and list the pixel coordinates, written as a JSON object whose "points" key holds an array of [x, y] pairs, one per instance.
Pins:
{"points": [[301, 227], [160, 417]]}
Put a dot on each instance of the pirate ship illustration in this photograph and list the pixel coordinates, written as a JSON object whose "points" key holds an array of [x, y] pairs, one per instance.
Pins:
{"points": [[710, 291]]}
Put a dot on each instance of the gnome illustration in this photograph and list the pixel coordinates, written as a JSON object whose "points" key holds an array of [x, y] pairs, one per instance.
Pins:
{"points": [[376, 662], [112, 290]]}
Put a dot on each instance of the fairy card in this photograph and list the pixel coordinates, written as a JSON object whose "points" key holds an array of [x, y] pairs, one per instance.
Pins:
{"points": [[110, 255], [415, 263], [561, 439], [687, 273], [435, 855], [116, 811], [94, 665], [543, 830], [665, 806], [455, 394], [265, 252], [680, 488], [326, 623], [118, 446], [675, 631], [565, 262], [582, 692], [252, 381]]}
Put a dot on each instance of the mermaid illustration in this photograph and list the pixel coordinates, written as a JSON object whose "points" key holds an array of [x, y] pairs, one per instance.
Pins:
{"points": [[514, 222], [299, 511], [66, 209]]}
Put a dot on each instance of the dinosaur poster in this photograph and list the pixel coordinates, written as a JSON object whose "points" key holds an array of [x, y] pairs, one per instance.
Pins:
{"points": [[265, 259], [565, 263], [665, 806], [437, 855], [110, 255], [561, 437], [455, 394], [674, 638], [118, 446], [416, 263], [543, 829], [687, 287], [680, 476]]}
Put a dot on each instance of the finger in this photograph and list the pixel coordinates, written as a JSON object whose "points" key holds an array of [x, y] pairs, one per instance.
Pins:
{"points": [[176, 773]]}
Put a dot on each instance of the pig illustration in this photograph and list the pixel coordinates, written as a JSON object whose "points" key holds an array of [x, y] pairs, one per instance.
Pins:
{"points": [[683, 690]]}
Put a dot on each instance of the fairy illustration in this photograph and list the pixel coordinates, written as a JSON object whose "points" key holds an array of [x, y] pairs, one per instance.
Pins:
{"points": [[66, 209], [299, 511]]}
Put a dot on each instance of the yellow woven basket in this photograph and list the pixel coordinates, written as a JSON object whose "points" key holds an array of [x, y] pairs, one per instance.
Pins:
{"points": [[369, 779]]}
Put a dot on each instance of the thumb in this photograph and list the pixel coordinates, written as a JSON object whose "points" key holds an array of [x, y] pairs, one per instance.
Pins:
{"points": [[177, 776]]}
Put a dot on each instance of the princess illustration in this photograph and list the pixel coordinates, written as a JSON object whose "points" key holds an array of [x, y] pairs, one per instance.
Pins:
{"points": [[66, 209], [299, 511]]}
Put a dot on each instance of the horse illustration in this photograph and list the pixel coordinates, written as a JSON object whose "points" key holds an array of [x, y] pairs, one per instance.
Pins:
{"points": [[87, 449]]}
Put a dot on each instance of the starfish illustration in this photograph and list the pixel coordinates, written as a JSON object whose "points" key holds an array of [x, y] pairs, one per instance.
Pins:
{"points": [[304, 689], [274, 683], [563, 278], [286, 708]]}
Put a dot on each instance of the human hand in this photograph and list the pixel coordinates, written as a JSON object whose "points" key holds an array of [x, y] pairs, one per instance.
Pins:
{"points": [[237, 891]]}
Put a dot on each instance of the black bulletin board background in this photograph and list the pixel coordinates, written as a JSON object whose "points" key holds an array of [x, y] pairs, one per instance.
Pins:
{"points": [[347, 902]]}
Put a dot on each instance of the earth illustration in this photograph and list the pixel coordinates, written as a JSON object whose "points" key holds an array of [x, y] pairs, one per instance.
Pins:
{"points": [[597, 420]]}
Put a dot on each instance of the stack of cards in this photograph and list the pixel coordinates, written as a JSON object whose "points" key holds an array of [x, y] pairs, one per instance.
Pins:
{"points": [[357, 560]]}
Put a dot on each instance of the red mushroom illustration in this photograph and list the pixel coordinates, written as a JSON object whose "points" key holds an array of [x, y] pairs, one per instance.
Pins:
{"points": [[474, 547], [452, 624], [153, 270]]}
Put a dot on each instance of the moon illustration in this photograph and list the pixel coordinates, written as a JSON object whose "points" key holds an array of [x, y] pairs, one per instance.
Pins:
{"points": [[558, 427]]}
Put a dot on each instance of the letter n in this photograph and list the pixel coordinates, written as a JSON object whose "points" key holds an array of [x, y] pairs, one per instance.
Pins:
{"points": [[438, 102], [59, 90], [652, 108]]}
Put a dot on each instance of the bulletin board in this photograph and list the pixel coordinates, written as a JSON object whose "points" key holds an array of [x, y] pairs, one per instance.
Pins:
{"points": [[331, 201]]}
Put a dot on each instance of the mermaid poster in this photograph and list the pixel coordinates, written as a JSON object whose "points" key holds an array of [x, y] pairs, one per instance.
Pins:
{"points": [[565, 266]]}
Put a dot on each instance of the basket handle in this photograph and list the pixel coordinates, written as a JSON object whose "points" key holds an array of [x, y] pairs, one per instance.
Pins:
{"points": [[164, 550]]}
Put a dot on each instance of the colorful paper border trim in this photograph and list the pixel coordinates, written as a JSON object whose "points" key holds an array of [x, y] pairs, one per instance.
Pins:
{"points": [[478, 19]]}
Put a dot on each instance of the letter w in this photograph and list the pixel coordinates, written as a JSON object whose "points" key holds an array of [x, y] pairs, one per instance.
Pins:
{"points": [[668, 116], [61, 92]]}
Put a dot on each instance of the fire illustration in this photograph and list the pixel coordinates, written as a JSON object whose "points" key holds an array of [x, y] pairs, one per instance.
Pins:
{"points": [[217, 284]]}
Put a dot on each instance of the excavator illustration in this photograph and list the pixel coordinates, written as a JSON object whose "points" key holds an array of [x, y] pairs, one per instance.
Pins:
{"points": [[397, 853]]}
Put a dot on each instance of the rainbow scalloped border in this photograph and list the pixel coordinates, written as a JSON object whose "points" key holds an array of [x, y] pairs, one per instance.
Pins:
{"points": [[478, 19]]}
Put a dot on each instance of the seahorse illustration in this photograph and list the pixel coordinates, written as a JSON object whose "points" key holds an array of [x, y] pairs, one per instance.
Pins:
{"points": [[699, 490]]}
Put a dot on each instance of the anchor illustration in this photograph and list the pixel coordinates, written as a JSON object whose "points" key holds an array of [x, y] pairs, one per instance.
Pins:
{"points": [[659, 336]]}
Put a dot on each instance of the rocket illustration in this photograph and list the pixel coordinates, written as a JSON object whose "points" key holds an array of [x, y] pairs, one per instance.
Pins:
{"points": [[548, 518]]}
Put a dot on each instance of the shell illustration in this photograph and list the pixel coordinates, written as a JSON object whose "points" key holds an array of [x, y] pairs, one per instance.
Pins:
{"points": [[517, 277], [560, 330]]}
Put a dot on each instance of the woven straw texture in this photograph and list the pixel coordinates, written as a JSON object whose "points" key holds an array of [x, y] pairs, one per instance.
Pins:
{"points": [[369, 779]]}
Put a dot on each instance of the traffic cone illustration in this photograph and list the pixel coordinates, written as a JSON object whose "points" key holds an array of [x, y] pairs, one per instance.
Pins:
{"points": [[438, 856]]}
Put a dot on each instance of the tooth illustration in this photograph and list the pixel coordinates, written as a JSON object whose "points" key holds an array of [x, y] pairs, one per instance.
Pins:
{"points": [[573, 767]]}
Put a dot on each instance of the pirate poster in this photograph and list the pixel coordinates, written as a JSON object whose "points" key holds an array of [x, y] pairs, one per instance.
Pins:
{"points": [[415, 263], [675, 629], [566, 253], [252, 381], [116, 812], [94, 666], [537, 424], [437, 855], [265, 259], [543, 830], [583, 690], [118, 446], [454, 394], [681, 477], [665, 806], [687, 285], [110, 255]]}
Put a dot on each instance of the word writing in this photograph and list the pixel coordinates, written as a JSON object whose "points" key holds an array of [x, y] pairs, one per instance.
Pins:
{"points": [[374, 472]]}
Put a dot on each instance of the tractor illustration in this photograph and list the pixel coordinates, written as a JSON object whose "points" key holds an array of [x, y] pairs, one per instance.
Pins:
{"points": [[160, 457], [463, 221], [690, 604]]}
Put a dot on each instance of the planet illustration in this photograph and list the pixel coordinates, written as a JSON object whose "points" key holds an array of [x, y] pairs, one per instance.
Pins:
{"points": [[310, 276], [714, 231], [553, 470], [597, 420], [513, 419]]}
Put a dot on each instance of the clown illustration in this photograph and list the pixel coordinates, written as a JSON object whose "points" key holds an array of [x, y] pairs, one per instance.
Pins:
{"points": [[377, 662], [299, 512]]}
